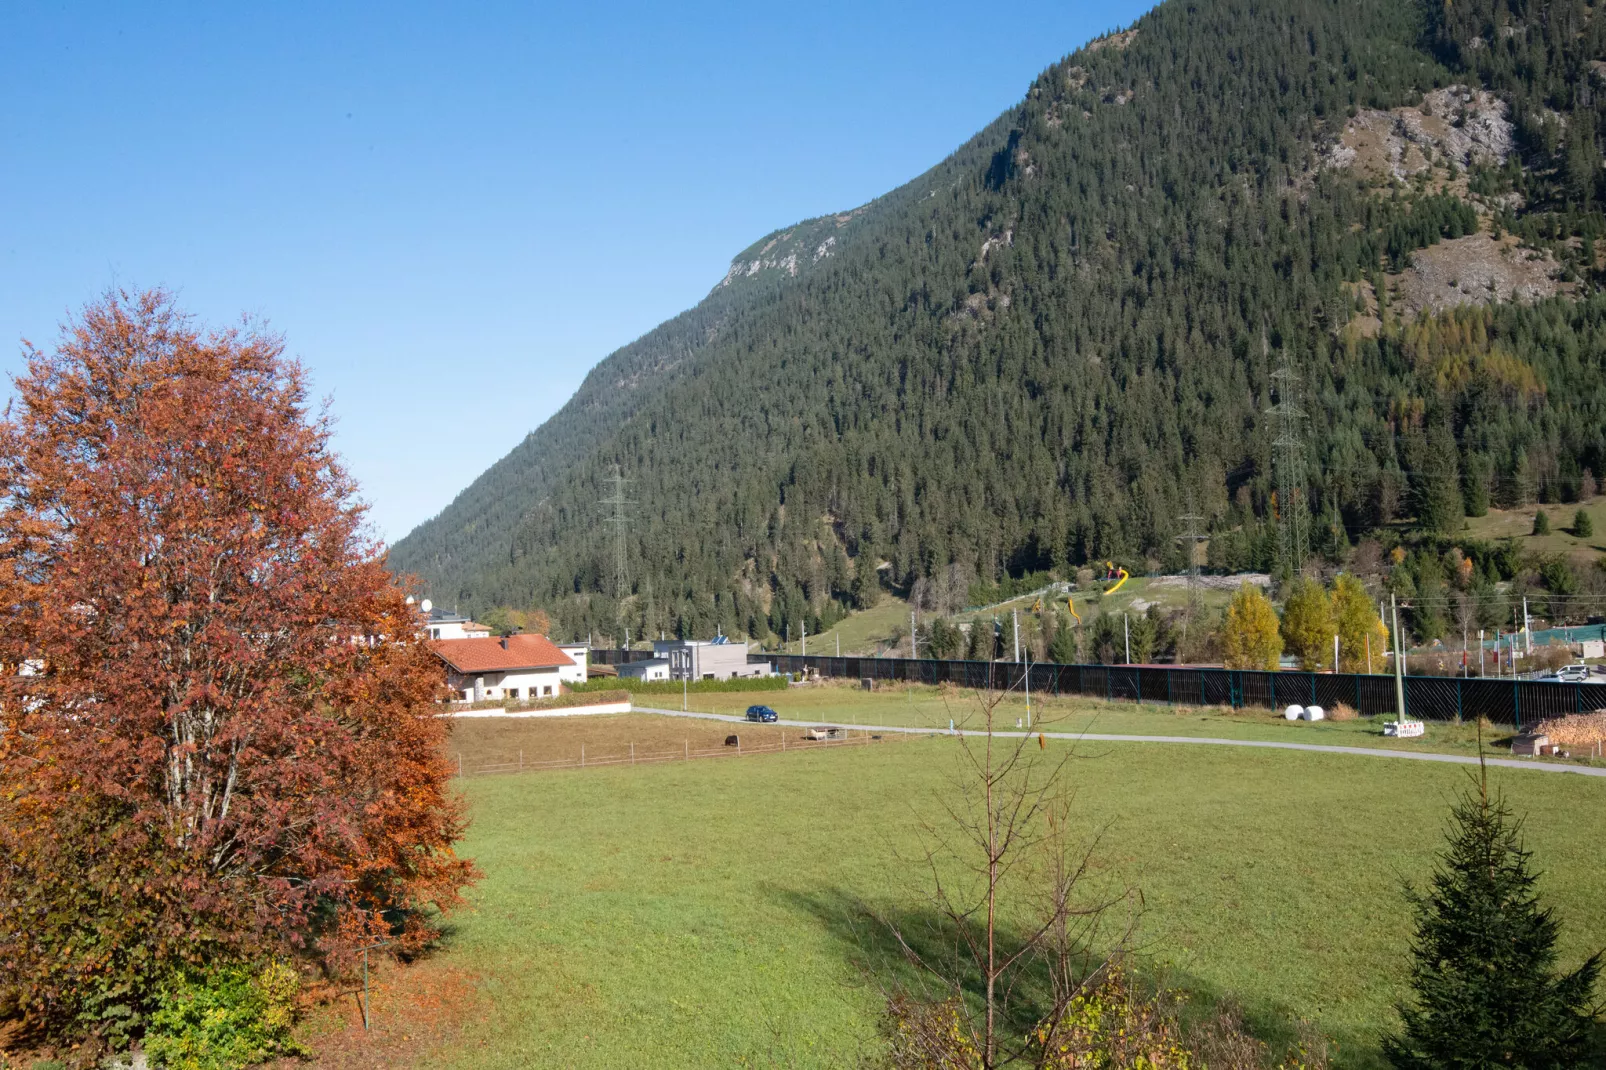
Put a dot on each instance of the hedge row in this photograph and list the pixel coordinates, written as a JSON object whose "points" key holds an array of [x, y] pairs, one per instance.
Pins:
{"points": [[696, 687]]}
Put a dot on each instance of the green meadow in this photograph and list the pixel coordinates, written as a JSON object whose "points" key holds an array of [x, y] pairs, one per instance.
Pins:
{"points": [[711, 913]]}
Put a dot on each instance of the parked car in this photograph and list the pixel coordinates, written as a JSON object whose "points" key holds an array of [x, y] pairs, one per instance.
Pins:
{"points": [[1573, 674], [762, 713]]}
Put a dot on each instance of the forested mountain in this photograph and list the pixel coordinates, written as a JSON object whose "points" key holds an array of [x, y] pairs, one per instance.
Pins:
{"points": [[1040, 352]]}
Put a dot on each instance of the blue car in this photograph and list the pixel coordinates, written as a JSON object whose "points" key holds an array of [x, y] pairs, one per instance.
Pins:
{"points": [[762, 713]]}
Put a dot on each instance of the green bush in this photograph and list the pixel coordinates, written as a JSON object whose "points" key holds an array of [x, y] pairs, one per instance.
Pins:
{"points": [[1583, 527], [234, 1018], [1541, 523], [673, 687]]}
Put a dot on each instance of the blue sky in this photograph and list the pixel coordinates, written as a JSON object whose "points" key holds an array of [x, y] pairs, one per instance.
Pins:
{"points": [[453, 212]]}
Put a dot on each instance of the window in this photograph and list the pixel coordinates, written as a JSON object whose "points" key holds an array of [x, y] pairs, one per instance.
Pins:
{"points": [[546, 690], [512, 692]]}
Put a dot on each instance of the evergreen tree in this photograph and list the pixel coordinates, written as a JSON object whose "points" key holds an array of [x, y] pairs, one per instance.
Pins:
{"points": [[1583, 527], [1064, 647], [1483, 975], [1541, 523]]}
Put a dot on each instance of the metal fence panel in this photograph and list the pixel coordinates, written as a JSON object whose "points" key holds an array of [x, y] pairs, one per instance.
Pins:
{"points": [[1436, 698]]}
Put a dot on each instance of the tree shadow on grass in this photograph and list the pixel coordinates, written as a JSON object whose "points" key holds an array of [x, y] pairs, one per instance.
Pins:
{"points": [[879, 943]]}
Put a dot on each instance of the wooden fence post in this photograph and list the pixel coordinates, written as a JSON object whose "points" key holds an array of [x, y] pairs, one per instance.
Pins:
{"points": [[521, 759], [582, 756], [632, 752], [460, 765], [687, 744]]}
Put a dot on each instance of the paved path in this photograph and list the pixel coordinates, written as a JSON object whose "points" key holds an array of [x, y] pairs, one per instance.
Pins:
{"points": [[1374, 752]]}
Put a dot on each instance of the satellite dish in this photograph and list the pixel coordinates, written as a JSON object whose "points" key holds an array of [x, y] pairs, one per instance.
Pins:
{"points": [[427, 605], [409, 599]]}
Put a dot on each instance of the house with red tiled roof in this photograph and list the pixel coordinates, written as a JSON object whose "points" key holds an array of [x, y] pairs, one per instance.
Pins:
{"points": [[515, 667]]}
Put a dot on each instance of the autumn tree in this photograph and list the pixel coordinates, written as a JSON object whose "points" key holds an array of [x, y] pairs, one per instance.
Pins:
{"points": [[1360, 629], [1250, 635], [1308, 627], [217, 741]]}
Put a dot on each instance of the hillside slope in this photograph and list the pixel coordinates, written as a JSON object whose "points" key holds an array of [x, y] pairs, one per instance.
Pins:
{"points": [[1040, 352]]}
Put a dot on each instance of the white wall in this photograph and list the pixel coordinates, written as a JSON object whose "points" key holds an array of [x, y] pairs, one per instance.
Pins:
{"points": [[576, 674], [495, 686]]}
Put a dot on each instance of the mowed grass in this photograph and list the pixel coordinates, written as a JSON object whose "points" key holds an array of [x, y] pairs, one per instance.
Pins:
{"points": [[925, 706], [702, 913]]}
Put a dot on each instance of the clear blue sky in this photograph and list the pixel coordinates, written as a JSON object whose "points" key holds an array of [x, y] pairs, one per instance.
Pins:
{"points": [[453, 212]]}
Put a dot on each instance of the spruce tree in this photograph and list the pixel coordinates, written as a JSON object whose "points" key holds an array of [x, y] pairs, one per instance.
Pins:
{"points": [[1486, 992]]}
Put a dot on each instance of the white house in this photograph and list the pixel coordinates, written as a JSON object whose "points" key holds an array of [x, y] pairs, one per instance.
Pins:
{"points": [[514, 667]]}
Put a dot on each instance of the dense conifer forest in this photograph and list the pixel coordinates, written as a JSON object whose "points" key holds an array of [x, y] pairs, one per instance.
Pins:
{"points": [[1043, 351]]}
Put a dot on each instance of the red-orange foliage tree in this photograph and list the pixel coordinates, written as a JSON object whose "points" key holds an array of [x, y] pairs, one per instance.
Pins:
{"points": [[216, 740]]}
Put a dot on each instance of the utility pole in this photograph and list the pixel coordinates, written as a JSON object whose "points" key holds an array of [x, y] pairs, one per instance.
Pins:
{"points": [[1126, 630], [1480, 653], [839, 644], [1015, 617], [1288, 458], [805, 638], [1399, 660], [1527, 628], [914, 636], [620, 519], [1191, 540]]}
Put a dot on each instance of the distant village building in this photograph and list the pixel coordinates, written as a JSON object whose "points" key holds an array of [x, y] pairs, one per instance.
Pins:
{"points": [[650, 669], [515, 667], [704, 659], [443, 624]]}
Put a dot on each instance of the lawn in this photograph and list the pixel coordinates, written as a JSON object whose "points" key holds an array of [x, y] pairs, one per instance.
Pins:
{"points": [[702, 913], [924, 706]]}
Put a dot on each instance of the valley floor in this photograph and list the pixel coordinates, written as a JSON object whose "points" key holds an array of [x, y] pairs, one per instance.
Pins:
{"points": [[703, 913]]}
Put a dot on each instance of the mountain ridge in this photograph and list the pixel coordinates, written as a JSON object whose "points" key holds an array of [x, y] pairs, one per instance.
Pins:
{"points": [[1037, 352]]}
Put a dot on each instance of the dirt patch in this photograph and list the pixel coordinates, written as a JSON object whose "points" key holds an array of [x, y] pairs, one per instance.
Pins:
{"points": [[497, 744], [1117, 41], [1452, 125], [1476, 270], [416, 1013]]}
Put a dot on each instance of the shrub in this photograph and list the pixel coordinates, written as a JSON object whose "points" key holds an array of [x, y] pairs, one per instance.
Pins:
{"points": [[1343, 711], [1541, 523], [673, 687], [234, 1018], [1583, 527], [580, 696]]}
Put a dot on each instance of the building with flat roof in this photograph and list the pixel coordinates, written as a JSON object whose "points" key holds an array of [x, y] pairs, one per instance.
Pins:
{"points": [[707, 659]]}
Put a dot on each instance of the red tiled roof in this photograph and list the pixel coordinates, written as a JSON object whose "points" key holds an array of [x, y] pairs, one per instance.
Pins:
{"points": [[489, 655]]}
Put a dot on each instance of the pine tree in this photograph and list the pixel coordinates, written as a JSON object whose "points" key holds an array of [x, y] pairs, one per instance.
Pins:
{"points": [[1583, 527], [1483, 977], [1541, 523]]}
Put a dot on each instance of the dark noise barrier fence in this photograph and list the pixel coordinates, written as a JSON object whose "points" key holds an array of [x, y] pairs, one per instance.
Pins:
{"points": [[1428, 698]]}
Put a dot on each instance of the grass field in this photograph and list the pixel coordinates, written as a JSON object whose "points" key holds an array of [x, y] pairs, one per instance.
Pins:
{"points": [[864, 632], [700, 914], [1518, 524], [922, 706]]}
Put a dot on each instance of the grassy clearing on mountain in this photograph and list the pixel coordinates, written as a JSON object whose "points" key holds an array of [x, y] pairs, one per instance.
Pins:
{"points": [[1518, 524], [705, 913]]}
